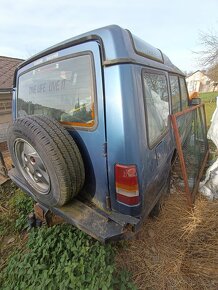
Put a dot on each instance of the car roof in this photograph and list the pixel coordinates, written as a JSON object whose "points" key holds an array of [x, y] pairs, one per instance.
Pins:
{"points": [[117, 45]]}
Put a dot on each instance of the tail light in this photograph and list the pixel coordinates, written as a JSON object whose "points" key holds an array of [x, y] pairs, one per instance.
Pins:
{"points": [[127, 188]]}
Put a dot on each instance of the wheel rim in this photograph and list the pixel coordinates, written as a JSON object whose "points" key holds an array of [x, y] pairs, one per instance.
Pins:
{"points": [[31, 166]]}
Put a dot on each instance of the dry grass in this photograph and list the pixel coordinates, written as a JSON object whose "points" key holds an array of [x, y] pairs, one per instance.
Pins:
{"points": [[179, 250]]}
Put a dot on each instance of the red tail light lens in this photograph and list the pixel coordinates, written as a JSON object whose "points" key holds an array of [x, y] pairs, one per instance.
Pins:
{"points": [[127, 188]]}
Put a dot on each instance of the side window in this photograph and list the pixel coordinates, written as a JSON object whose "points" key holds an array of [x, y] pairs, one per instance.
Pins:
{"points": [[156, 105], [184, 93], [174, 86]]}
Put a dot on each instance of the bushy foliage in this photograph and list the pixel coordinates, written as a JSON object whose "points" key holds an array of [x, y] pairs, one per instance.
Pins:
{"points": [[62, 257]]}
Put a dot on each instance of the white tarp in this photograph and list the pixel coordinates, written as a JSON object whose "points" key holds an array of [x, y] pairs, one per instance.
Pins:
{"points": [[209, 187], [213, 130]]}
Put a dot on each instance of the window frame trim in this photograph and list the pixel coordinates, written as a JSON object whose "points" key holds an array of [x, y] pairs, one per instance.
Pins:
{"points": [[141, 53], [93, 89], [180, 77], [180, 98], [164, 133]]}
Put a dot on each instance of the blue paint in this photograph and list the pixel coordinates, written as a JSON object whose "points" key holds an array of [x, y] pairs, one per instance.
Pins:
{"points": [[121, 121]]}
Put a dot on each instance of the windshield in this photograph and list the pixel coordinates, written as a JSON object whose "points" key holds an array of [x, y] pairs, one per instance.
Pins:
{"points": [[62, 89]]}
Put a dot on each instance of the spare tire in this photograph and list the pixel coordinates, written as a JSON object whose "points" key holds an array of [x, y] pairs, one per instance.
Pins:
{"points": [[47, 157]]}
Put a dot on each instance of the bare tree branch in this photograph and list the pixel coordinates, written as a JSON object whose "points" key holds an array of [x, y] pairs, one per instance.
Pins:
{"points": [[213, 73], [208, 56]]}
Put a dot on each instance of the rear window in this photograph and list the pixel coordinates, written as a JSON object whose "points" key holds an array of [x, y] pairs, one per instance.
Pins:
{"points": [[156, 105], [63, 89]]}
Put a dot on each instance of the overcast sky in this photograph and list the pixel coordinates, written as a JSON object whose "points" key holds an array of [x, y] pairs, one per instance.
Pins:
{"points": [[29, 26]]}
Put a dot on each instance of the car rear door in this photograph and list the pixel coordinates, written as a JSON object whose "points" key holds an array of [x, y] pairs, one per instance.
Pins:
{"points": [[67, 85], [159, 139]]}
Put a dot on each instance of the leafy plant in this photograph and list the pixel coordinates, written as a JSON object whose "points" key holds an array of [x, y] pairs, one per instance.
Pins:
{"points": [[63, 257], [22, 204], [59, 257], [14, 209]]}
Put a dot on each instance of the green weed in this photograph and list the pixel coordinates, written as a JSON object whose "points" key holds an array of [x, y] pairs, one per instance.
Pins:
{"points": [[209, 96], [60, 257], [14, 209], [63, 257], [22, 204]]}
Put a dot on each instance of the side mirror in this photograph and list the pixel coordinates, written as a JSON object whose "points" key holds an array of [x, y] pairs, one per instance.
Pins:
{"points": [[195, 101]]}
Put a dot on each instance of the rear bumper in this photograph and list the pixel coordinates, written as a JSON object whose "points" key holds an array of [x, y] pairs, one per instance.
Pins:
{"points": [[100, 225]]}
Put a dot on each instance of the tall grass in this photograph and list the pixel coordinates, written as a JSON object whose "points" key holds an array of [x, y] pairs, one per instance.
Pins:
{"points": [[209, 99]]}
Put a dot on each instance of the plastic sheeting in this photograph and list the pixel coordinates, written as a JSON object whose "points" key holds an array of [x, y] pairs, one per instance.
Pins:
{"points": [[209, 187], [213, 130]]}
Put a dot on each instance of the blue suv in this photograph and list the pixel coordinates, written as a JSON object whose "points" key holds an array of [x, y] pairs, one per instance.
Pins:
{"points": [[91, 139]]}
